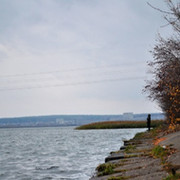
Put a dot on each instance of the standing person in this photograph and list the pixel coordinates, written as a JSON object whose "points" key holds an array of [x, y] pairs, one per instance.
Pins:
{"points": [[149, 122]]}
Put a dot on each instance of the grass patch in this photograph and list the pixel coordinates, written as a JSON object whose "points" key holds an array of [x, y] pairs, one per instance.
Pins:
{"points": [[105, 169], [139, 135], [120, 124], [159, 152], [172, 177], [149, 134], [130, 148], [118, 178], [124, 160], [108, 168], [132, 155]]}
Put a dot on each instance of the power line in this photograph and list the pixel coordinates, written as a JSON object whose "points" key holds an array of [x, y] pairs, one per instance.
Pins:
{"points": [[62, 71], [51, 72], [69, 76], [73, 84], [17, 81]]}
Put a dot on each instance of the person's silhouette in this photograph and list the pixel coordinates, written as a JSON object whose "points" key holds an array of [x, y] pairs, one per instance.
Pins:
{"points": [[149, 122]]}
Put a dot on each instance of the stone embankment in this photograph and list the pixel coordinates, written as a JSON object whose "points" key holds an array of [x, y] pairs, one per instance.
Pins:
{"points": [[135, 159]]}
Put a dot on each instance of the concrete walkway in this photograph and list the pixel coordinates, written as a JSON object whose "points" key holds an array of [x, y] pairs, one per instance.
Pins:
{"points": [[173, 140]]}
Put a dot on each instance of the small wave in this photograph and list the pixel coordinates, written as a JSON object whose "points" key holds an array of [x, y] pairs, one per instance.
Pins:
{"points": [[53, 167], [2, 174], [47, 168], [47, 178]]}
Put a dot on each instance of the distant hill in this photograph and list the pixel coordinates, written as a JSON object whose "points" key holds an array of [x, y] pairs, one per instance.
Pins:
{"points": [[69, 120]]}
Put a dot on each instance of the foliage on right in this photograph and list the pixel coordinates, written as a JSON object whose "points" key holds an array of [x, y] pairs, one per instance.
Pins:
{"points": [[164, 88]]}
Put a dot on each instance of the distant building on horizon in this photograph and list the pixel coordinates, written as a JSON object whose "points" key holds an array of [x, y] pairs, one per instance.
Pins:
{"points": [[60, 121], [128, 116]]}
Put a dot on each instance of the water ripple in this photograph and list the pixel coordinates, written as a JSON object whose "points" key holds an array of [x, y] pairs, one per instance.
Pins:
{"points": [[56, 153]]}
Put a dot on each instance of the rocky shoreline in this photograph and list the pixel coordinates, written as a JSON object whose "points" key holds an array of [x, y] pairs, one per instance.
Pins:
{"points": [[135, 160]]}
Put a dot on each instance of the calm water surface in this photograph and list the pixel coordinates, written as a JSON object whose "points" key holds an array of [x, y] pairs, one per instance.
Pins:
{"points": [[56, 153]]}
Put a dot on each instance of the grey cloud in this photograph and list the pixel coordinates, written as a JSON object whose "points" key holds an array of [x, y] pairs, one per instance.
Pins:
{"points": [[49, 35]]}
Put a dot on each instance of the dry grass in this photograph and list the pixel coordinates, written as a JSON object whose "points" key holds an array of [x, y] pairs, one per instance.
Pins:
{"points": [[120, 124]]}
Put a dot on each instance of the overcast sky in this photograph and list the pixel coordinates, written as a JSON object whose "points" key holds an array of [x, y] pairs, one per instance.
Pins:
{"points": [[76, 56]]}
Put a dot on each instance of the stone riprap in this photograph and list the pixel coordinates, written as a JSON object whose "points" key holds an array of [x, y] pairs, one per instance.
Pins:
{"points": [[134, 160]]}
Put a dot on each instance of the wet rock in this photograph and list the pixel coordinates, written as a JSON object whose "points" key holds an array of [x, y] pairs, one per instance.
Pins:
{"points": [[114, 157]]}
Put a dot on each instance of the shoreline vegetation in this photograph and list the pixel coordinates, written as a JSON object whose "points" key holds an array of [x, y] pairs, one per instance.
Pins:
{"points": [[120, 124]]}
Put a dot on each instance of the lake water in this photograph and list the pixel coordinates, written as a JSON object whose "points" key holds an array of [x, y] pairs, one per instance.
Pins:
{"points": [[56, 152]]}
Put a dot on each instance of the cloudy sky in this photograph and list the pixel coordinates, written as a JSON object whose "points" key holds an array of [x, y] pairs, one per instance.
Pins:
{"points": [[76, 56]]}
